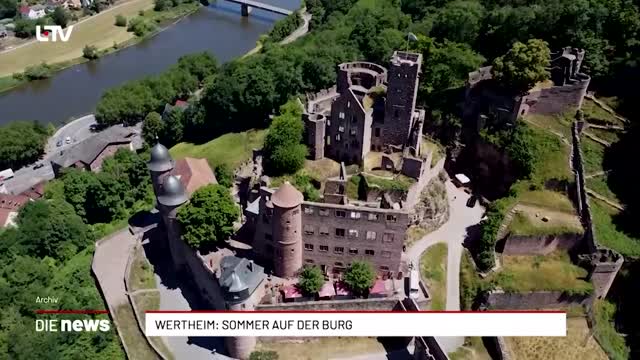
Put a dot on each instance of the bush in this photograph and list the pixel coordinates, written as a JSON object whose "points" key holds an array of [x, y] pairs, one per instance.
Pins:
{"points": [[140, 26], [37, 72], [121, 20], [90, 52], [224, 175], [310, 280], [284, 27], [360, 277]]}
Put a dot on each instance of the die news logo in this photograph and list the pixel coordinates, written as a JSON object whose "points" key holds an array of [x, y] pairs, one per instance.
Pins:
{"points": [[53, 33]]}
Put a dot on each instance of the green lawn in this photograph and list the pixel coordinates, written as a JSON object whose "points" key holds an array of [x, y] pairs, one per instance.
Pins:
{"points": [[232, 149], [546, 198], [558, 123], [433, 270], [606, 135], [554, 158], [599, 185], [524, 223], [432, 145], [593, 111], [137, 346], [612, 342], [552, 272], [141, 275], [607, 234], [593, 155]]}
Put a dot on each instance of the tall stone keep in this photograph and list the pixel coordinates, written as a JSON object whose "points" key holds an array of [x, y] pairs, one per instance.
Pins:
{"points": [[172, 195], [402, 90], [287, 230]]}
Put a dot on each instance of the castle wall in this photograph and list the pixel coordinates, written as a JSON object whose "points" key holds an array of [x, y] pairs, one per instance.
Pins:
{"points": [[287, 232], [541, 244], [315, 134], [500, 300], [336, 235], [555, 100], [346, 129]]}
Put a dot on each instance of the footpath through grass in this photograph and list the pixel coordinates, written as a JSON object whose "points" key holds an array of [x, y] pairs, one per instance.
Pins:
{"points": [[98, 30], [433, 270], [232, 149]]}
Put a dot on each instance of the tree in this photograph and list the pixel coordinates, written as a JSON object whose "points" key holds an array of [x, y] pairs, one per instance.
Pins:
{"points": [[459, 21], [90, 52], [209, 216], [224, 175], [521, 149], [284, 154], [310, 280], [152, 128], [121, 20], [60, 16], [201, 65], [174, 127], [523, 66], [360, 277], [51, 228], [76, 185], [8, 8], [21, 143], [161, 5]]}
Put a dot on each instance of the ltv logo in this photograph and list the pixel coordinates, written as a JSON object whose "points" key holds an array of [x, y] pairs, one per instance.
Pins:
{"points": [[53, 33]]}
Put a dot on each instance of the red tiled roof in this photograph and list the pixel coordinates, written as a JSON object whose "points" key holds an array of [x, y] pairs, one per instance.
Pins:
{"points": [[12, 202], [35, 192], [24, 9], [181, 103], [194, 173], [292, 292]]}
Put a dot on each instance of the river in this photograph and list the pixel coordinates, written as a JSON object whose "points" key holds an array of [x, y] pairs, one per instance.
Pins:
{"points": [[75, 91]]}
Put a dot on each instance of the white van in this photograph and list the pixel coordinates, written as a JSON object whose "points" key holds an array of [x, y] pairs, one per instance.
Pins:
{"points": [[414, 284]]}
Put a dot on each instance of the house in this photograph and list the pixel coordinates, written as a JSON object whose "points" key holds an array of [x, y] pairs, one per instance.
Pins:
{"points": [[180, 104], [10, 205], [90, 153], [193, 173], [32, 12], [72, 4]]}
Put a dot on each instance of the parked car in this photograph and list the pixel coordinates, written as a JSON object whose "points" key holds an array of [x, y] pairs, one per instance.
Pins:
{"points": [[59, 143], [67, 140], [38, 166]]}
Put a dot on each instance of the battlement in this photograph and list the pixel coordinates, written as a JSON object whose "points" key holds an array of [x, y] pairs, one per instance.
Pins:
{"points": [[403, 57]]}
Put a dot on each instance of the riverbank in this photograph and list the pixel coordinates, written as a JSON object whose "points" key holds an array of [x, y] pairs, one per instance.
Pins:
{"points": [[102, 33]]}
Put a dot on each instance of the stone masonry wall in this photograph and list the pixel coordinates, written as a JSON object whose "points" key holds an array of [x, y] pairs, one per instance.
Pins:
{"points": [[541, 244], [501, 300], [556, 99]]}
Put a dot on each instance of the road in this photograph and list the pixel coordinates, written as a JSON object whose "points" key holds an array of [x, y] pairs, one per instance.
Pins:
{"points": [[454, 233], [26, 177], [306, 17]]}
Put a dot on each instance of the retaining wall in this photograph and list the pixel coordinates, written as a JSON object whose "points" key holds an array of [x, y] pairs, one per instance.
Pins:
{"points": [[501, 300], [540, 244]]}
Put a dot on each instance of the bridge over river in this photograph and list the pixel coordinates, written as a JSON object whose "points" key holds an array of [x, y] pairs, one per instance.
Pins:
{"points": [[247, 5]]}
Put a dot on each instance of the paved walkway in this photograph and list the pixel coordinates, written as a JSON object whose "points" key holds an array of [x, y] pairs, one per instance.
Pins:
{"points": [[306, 17], [109, 264], [454, 233]]}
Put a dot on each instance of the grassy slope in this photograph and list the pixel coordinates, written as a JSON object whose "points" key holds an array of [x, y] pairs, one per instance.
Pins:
{"points": [[593, 155], [551, 272], [433, 269], [99, 30], [608, 234], [141, 275], [231, 149], [526, 224], [576, 345]]}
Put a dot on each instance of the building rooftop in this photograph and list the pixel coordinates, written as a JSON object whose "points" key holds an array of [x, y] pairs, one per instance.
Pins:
{"points": [[160, 159], [172, 192], [239, 274], [287, 196], [194, 173], [88, 150]]}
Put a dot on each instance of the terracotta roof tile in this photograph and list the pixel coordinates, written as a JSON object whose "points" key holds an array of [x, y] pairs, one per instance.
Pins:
{"points": [[12, 202], [287, 196], [194, 173]]}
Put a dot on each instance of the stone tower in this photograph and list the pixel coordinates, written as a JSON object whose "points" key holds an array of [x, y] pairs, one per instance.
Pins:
{"points": [[402, 90], [159, 166], [170, 197], [240, 281], [287, 230]]}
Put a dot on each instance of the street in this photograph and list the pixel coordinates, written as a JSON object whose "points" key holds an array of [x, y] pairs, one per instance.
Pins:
{"points": [[26, 177]]}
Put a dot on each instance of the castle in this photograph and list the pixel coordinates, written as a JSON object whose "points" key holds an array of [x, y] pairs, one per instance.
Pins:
{"points": [[289, 232]]}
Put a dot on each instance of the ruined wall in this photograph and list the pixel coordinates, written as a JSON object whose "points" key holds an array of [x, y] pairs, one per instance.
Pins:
{"points": [[541, 244], [315, 133], [556, 99], [501, 300], [413, 167]]}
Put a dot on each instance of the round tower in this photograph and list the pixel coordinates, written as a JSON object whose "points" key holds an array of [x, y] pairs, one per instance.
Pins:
{"points": [[171, 196], [287, 230], [160, 163]]}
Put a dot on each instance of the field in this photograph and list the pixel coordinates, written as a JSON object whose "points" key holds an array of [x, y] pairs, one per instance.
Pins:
{"points": [[552, 272], [576, 345], [548, 199], [433, 270], [322, 348], [98, 30], [528, 221], [232, 149]]}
